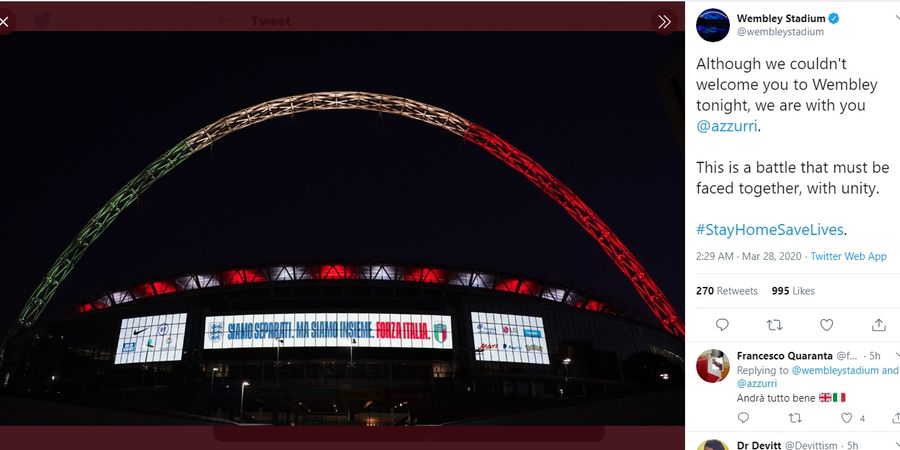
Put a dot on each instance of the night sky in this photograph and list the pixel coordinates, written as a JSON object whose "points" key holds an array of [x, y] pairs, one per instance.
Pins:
{"points": [[81, 114]]}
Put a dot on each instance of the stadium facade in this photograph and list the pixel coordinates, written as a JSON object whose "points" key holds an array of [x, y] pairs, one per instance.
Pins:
{"points": [[371, 344]]}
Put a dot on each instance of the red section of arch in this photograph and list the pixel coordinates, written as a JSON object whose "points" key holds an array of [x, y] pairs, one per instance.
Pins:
{"points": [[652, 295]]}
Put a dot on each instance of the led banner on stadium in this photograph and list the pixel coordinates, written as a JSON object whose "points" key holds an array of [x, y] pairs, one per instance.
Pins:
{"points": [[151, 339], [328, 330], [508, 338]]}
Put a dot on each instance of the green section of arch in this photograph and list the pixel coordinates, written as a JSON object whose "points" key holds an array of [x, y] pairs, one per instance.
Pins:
{"points": [[95, 227]]}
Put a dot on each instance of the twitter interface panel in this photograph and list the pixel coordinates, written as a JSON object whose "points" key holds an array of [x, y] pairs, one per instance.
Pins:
{"points": [[275, 163], [792, 206]]}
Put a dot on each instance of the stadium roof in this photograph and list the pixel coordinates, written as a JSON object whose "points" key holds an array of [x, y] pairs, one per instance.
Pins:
{"points": [[414, 274]]}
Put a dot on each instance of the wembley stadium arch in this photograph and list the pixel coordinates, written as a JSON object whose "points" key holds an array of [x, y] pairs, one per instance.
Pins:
{"points": [[471, 132]]}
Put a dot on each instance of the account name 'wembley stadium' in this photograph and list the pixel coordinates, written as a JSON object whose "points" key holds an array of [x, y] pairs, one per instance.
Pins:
{"points": [[348, 343]]}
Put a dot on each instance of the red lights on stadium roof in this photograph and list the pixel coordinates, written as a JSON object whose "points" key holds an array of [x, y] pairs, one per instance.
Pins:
{"points": [[425, 275], [339, 272], [154, 288], [336, 272], [524, 287], [241, 276]]}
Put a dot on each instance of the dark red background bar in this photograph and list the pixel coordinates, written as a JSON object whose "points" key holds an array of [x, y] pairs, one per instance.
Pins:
{"points": [[345, 16], [401, 438], [478, 433]]}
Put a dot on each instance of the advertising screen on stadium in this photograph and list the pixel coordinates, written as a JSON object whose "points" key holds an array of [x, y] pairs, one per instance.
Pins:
{"points": [[151, 339], [509, 338], [328, 330]]}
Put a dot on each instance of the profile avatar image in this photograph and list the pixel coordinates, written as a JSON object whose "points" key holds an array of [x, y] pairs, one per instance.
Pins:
{"points": [[712, 444], [713, 25], [712, 366]]}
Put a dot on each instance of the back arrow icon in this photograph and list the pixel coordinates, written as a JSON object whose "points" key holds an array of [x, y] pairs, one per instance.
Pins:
{"points": [[664, 21]]}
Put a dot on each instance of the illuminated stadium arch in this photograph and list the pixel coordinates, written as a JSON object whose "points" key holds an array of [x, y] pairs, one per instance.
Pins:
{"points": [[623, 258]]}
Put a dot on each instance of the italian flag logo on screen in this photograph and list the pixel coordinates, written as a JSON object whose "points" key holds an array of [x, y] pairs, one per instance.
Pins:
{"points": [[440, 332]]}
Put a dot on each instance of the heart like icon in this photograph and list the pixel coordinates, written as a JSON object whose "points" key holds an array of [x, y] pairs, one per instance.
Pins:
{"points": [[826, 324], [846, 417]]}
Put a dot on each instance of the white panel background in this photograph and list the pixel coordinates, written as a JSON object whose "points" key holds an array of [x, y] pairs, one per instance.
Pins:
{"points": [[515, 339], [166, 331]]}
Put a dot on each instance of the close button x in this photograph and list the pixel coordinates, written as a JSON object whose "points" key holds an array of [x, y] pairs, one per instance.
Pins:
{"points": [[7, 22]]}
